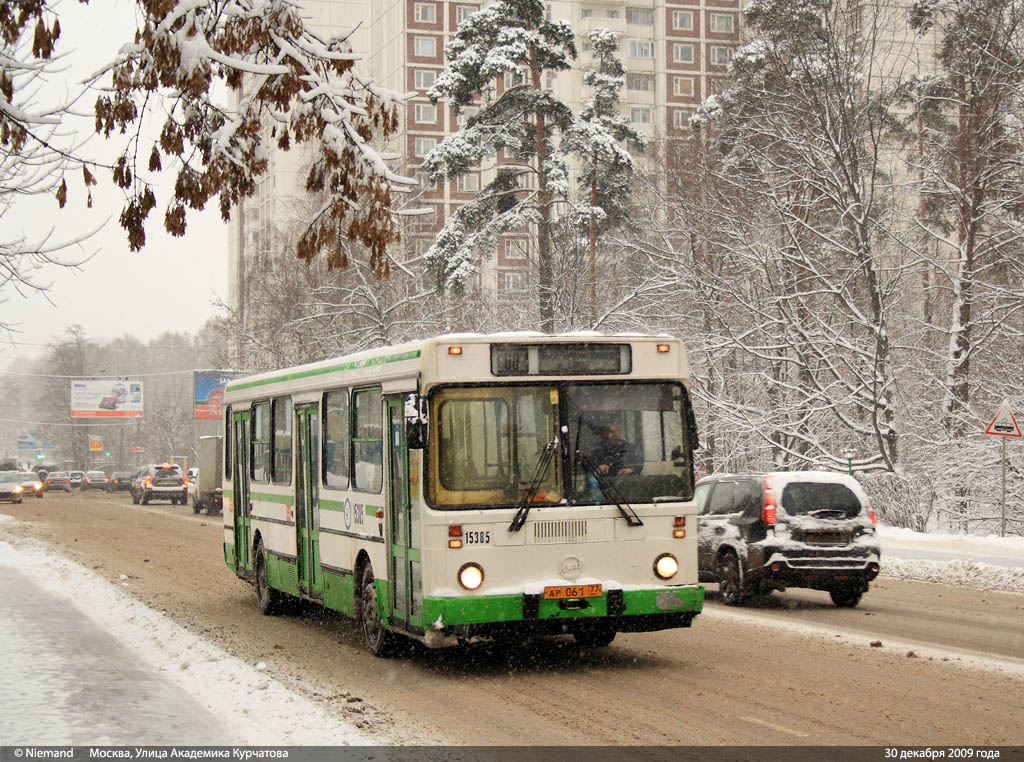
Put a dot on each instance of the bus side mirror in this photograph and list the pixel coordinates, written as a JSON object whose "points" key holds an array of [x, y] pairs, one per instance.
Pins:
{"points": [[415, 435], [415, 422]]}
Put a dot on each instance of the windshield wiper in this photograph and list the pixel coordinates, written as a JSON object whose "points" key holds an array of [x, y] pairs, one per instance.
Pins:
{"points": [[609, 490], [523, 509]]}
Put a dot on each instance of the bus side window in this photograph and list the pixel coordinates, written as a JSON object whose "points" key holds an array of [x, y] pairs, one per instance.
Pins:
{"points": [[282, 445], [259, 469], [229, 443], [367, 440], [336, 439]]}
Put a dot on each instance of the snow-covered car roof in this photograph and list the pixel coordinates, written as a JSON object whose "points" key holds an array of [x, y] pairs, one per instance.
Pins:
{"points": [[781, 478]]}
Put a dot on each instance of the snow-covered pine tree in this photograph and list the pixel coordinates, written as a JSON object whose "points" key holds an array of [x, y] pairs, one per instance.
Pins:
{"points": [[520, 124], [601, 137]]}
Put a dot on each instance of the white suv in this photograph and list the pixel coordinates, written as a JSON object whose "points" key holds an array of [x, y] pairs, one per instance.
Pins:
{"points": [[160, 482]]}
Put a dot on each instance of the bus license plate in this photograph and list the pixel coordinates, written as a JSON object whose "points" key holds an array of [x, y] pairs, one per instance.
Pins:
{"points": [[558, 592]]}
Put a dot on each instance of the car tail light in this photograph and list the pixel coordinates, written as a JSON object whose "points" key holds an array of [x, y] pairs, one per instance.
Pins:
{"points": [[871, 512], [184, 481], [149, 481], [768, 507]]}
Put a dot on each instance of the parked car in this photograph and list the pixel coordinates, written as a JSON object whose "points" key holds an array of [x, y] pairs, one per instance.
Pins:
{"points": [[120, 481], [160, 482], [763, 532], [31, 484], [75, 478], [58, 480], [10, 486], [95, 480]]}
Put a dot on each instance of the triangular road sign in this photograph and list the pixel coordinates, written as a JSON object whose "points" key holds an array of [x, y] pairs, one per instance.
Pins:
{"points": [[1004, 424]]}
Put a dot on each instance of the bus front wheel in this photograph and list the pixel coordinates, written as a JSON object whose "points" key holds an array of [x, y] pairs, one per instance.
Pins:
{"points": [[379, 640], [267, 599]]}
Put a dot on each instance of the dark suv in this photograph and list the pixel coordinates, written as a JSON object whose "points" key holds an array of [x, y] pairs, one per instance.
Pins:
{"points": [[764, 532]]}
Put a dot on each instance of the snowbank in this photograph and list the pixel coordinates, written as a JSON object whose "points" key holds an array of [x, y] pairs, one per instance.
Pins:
{"points": [[962, 571]]}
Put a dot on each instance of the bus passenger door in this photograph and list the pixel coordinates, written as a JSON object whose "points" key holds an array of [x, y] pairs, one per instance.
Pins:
{"points": [[404, 539], [240, 488], [307, 500]]}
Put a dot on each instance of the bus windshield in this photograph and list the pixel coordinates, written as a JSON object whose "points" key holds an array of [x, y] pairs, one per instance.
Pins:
{"points": [[615, 442]]}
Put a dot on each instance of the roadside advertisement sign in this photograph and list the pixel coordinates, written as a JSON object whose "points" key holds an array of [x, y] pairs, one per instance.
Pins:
{"points": [[209, 391], [95, 445], [106, 398]]}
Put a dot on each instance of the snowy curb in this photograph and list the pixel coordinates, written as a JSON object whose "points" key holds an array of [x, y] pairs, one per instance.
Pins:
{"points": [[218, 681]]}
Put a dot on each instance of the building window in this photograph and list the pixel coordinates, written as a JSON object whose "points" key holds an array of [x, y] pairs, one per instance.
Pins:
{"points": [[463, 116], [425, 113], [682, 21], [424, 180], [468, 183], [720, 55], [423, 146], [425, 47], [462, 13], [612, 14], [424, 78], [367, 440], [643, 82], [643, 16], [515, 249], [682, 52], [514, 282], [514, 78], [682, 86], [641, 49], [282, 440], [721, 23], [425, 13], [640, 115], [587, 13], [681, 118], [336, 444]]}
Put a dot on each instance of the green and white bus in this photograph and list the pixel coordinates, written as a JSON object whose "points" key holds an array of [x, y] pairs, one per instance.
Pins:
{"points": [[452, 488]]}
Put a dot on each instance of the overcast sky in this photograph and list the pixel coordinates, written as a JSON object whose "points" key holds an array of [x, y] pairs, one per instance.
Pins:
{"points": [[172, 284]]}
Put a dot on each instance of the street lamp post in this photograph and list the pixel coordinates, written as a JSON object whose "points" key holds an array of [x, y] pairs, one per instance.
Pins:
{"points": [[849, 455]]}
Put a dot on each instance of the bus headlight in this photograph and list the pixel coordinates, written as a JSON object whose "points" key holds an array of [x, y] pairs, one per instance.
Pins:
{"points": [[666, 566], [471, 576]]}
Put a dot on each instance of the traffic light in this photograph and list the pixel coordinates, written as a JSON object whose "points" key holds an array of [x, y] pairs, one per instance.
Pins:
{"points": [[39, 455], [106, 454]]}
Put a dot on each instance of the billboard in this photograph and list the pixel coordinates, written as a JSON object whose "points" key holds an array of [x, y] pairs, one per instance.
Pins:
{"points": [[106, 398], [209, 391]]}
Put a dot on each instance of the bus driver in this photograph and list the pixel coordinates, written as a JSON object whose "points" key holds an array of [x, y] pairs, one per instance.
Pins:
{"points": [[615, 455]]}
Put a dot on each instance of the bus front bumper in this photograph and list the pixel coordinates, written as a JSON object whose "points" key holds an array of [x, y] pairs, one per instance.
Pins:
{"points": [[624, 610]]}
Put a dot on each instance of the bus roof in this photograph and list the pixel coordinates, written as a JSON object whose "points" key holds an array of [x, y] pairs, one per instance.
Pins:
{"points": [[407, 359]]}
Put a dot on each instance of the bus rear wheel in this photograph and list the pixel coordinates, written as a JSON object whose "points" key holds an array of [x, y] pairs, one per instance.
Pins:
{"points": [[379, 640], [268, 600]]}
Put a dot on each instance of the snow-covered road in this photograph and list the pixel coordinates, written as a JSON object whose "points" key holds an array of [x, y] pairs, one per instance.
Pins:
{"points": [[99, 667]]}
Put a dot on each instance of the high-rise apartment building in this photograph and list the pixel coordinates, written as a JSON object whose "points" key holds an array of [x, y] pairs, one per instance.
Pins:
{"points": [[674, 52]]}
